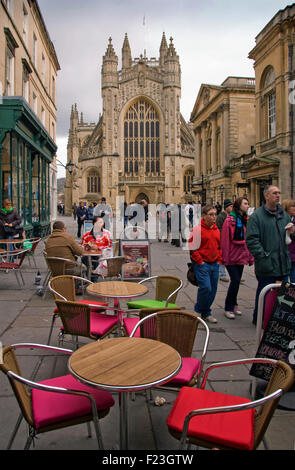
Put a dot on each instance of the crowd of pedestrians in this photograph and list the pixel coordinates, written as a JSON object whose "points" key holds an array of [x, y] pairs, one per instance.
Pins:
{"points": [[223, 241], [265, 239]]}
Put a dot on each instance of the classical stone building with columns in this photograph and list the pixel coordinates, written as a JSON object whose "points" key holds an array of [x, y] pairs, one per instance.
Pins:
{"points": [[141, 146], [274, 65], [223, 121]]}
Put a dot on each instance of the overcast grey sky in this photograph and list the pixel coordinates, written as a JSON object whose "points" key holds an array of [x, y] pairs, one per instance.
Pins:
{"points": [[212, 38]]}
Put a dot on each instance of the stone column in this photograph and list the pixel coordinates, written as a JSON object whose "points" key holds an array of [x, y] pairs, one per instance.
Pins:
{"points": [[213, 118], [225, 135], [204, 148]]}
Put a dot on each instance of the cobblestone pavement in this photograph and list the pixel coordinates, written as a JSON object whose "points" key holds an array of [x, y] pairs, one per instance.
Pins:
{"points": [[26, 317]]}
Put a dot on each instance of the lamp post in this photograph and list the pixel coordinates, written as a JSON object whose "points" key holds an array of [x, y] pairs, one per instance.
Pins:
{"points": [[221, 187], [69, 166]]}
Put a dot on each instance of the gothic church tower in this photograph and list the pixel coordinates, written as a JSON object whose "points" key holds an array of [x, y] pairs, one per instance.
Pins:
{"points": [[141, 146]]}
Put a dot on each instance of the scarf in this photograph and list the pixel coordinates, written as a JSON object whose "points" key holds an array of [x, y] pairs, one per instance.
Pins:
{"points": [[241, 220], [6, 211]]}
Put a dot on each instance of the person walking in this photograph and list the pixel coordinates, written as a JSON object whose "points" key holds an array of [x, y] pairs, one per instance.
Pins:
{"points": [[75, 208], [235, 254], [104, 210], [266, 241], [228, 207], [205, 253], [90, 211], [81, 216], [289, 206]]}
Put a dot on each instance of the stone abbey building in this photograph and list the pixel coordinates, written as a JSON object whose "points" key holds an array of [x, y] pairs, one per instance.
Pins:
{"points": [[141, 146]]}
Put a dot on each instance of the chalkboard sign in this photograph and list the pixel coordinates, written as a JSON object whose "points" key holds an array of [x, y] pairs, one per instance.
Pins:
{"points": [[278, 341]]}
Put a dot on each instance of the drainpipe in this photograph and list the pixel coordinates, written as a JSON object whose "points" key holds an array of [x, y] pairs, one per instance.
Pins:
{"points": [[291, 113]]}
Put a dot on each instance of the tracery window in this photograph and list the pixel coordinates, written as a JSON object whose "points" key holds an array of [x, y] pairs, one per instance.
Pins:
{"points": [[93, 182], [141, 138], [188, 180]]}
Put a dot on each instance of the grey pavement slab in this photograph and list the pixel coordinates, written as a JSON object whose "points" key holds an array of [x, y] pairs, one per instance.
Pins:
{"points": [[26, 317]]}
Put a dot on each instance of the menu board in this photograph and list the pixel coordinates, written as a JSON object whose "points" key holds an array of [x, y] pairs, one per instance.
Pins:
{"points": [[278, 340], [137, 259]]}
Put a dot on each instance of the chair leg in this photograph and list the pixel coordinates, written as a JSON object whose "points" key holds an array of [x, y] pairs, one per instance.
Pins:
{"points": [[98, 433], [21, 275], [17, 278], [30, 438], [16, 427], [89, 429], [51, 328]]}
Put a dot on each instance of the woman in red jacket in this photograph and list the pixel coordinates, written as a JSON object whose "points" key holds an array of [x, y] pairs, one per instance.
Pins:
{"points": [[235, 254], [205, 252]]}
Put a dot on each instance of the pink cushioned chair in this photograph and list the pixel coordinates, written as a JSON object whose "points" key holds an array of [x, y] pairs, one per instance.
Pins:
{"points": [[54, 403], [178, 329], [11, 261], [78, 320], [63, 288], [217, 420]]}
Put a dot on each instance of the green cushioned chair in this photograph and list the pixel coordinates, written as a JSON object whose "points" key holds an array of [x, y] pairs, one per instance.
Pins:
{"points": [[167, 288]]}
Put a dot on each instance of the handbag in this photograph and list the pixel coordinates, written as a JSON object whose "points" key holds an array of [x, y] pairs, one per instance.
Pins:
{"points": [[8, 230], [191, 275]]}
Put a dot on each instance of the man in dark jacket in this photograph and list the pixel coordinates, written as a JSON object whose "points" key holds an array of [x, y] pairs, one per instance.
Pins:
{"points": [[81, 216], [266, 240]]}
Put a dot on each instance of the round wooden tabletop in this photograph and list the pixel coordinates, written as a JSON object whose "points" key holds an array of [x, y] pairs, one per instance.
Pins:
{"points": [[117, 289], [91, 253], [11, 240], [125, 363]]}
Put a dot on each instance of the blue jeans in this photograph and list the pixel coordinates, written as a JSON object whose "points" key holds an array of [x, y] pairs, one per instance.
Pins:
{"points": [[292, 273], [207, 276]]}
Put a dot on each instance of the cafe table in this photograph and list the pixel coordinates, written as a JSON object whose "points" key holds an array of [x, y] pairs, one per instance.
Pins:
{"points": [[90, 254], [122, 365], [117, 290]]}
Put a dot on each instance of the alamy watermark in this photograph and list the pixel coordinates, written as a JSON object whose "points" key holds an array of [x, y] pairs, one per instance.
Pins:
{"points": [[161, 221], [292, 93]]}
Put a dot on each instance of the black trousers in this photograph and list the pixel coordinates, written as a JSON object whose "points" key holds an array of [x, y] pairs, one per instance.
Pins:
{"points": [[235, 273]]}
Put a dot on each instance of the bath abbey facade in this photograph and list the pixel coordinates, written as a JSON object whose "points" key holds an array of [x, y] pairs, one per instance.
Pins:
{"points": [[141, 147]]}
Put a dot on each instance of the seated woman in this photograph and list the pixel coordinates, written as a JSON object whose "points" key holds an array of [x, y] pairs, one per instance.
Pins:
{"points": [[10, 221], [97, 239]]}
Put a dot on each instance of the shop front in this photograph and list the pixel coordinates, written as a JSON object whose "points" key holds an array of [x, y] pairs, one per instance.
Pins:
{"points": [[26, 152]]}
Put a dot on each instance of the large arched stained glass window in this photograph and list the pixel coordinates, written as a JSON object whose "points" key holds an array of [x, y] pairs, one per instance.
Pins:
{"points": [[141, 138]]}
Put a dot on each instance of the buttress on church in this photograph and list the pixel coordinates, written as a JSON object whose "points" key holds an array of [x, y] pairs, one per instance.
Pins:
{"points": [[141, 147]]}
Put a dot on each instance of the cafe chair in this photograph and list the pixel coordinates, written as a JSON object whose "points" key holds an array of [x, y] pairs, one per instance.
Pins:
{"points": [[221, 421], [54, 403], [114, 267], [129, 323], [167, 288], [12, 261], [178, 329], [63, 288], [56, 267], [78, 320], [31, 251], [266, 302]]}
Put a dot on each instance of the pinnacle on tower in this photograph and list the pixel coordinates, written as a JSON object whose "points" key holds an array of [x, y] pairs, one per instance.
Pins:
{"points": [[110, 52], [171, 50], [126, 53], [163, 50]]}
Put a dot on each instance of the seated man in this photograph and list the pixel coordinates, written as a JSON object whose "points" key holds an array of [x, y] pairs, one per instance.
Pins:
{"points": [[62, 245]]}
